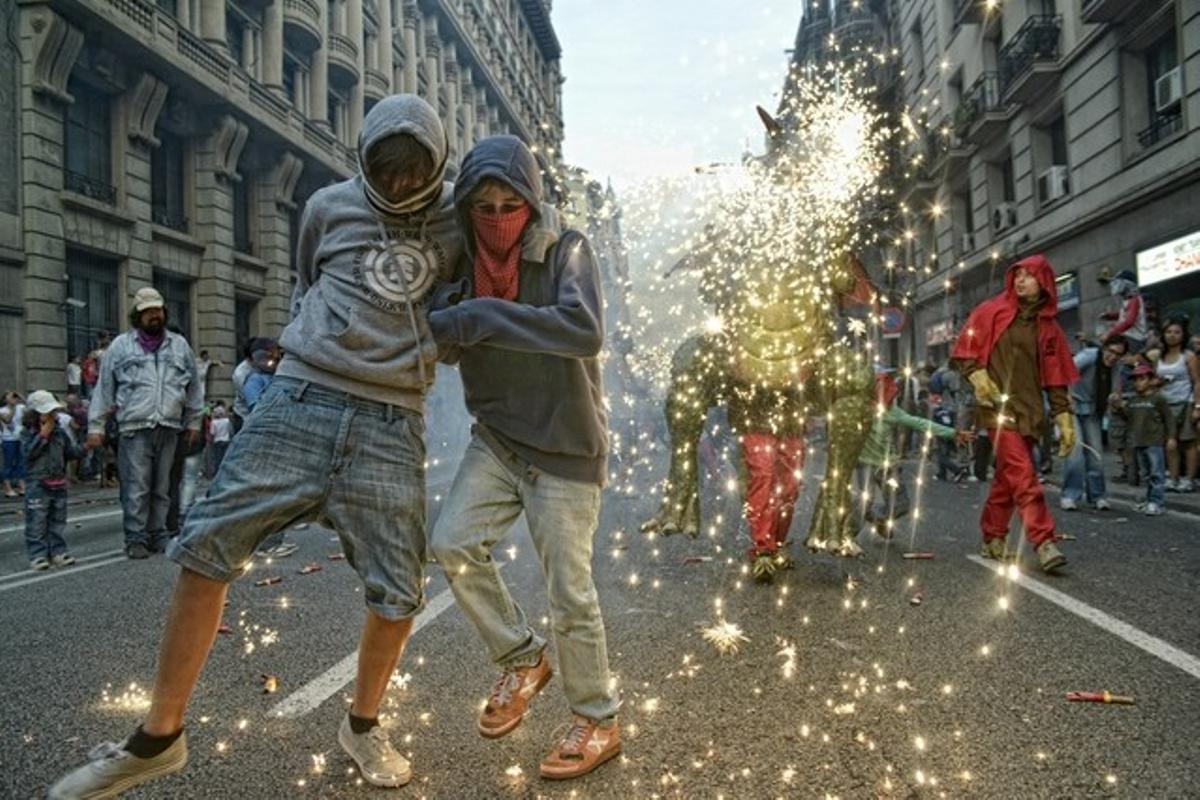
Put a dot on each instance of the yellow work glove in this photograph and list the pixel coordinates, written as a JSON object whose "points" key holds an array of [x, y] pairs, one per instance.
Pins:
{"points": [[1066, 433], [986, 392]]}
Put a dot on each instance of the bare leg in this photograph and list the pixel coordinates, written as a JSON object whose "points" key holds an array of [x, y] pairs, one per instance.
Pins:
{"points": [[191, 627], [378, 651], [1193, 460], [1173, 459]]}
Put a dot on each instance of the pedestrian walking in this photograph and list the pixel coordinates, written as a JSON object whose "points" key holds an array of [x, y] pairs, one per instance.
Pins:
{"points": [[47, 448], [12, 415], [1083, 472], [148, 385], [1012, 349], [1179, 369], [1151, 435], [527, 338], [336, 437]]}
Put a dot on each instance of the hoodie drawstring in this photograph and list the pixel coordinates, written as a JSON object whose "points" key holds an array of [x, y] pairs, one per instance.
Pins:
{"points": [[412, 314]]}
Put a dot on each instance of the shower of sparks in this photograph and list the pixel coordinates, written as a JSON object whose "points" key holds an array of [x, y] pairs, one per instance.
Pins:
{"points": [[132, 698], [727, 637]]}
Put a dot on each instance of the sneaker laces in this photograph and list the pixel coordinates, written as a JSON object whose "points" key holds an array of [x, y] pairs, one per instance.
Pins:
{"points": [[502, 691], [573, 739], [380, 743], [107, 751]]}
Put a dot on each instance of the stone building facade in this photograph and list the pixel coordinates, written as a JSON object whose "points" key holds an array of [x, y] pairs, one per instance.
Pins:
{"points": [[1066, 127], [174, 143]]}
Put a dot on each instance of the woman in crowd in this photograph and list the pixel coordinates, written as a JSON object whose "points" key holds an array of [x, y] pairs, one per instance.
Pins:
{"points": [[1180, 369]]}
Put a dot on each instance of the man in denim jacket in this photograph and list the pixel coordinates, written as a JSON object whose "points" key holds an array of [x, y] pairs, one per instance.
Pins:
{"points": [[148, 379]]}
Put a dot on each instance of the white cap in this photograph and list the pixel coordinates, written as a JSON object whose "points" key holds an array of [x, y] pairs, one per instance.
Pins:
{"points": [[147, 297], [43, 402]]}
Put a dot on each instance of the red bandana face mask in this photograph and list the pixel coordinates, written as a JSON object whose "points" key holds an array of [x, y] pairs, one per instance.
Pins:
{"points": [[498, 251]]}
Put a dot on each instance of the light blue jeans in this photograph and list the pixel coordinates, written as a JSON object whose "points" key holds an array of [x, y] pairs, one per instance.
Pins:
{"points": [[1153, 463], [1083, 474], [485, 500]]}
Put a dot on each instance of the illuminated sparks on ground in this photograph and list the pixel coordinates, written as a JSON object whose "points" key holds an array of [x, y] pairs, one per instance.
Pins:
{"points": [[727, 637], [132, 698]]}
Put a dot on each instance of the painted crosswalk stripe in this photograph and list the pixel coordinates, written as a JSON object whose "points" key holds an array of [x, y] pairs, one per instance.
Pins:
{"points": [[64, 572], [1136, 637]]}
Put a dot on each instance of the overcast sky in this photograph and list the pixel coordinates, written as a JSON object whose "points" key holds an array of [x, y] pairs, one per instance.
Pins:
{"points": [[655, 87]]}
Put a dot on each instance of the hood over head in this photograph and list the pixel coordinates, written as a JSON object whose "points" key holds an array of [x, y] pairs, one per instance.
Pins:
{"points": [[1040, 268], [404, 114], [508, 160]]}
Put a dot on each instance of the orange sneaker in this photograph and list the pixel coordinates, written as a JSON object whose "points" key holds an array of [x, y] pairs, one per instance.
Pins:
{"points": [[585, 746], [510, 697]]}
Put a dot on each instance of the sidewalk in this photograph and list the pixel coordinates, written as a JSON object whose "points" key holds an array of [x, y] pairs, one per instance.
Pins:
{"points": [[1189, 502]]}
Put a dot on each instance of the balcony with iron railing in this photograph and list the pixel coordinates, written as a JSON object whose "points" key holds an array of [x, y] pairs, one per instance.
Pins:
{"points": [[1029, 61], [981, 116], [160, 215], [969, 12], [852, 13], [1162, 128], [375, 84], [90, 187]]}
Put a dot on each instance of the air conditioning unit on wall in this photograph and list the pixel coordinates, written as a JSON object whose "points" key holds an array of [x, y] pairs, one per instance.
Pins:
{"points": [[1168, 90], [1004, 217], [1054, 184]]}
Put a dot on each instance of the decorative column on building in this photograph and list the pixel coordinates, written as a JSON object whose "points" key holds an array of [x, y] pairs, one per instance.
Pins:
{"points": [[318, 98], [384, 50], [141, 107], [212, 23], [468, 108], [411, 16], [183, 12], [433, 62], [272, 47], [49, 47], [219, 154], [276, 202], [450, 117], [354, 29], [483, 115]]}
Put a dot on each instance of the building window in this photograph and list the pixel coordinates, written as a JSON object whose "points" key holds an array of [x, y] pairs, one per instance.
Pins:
{"points": [[93, 301], [168, 205], [1164, 91], [339, 116], [917, 37], [87, 142], [1008, 182], [244, 311], [242, 208], [295, 81], [177, 295]]}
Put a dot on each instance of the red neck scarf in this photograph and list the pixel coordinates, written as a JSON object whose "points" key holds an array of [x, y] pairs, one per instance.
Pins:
{"points": [[498, 251]]}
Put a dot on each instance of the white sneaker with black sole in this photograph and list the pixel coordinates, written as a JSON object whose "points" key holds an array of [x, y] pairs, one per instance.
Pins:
{"points": [[111, 770], [1067, 504], [377, 760]]}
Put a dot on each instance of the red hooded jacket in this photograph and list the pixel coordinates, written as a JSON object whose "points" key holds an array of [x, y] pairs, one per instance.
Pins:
{"points": [[991, 319]]}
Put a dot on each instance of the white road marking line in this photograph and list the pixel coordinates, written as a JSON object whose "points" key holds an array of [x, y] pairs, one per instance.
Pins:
{"points": [[62, 570], [83, 518], [306, 699], [1138, 638], [65, 572]]}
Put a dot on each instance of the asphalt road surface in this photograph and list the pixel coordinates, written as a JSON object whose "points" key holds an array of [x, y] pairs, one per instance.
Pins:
{"points": [[840, 685]]}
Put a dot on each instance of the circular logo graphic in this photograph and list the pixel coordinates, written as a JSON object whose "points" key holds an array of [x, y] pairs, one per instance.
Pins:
{"points": [[410, 263]]}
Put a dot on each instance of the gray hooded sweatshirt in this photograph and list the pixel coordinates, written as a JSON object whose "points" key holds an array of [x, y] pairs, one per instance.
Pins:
{"points": [[350, 328], [529, 367]]}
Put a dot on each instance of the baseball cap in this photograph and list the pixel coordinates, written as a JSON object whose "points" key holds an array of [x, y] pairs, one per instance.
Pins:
{"points": [[43, 402], [147, 297], [1139, 370]]}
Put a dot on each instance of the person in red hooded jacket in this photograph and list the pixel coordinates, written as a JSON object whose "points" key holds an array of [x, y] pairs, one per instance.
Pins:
{"points": [[1012, 350]]}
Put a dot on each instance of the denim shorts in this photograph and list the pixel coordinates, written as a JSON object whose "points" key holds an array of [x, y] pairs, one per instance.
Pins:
{"points": [[311, 454]]}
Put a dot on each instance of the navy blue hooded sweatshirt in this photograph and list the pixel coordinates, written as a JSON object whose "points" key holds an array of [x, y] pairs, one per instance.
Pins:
{"points": [[529, 366]]}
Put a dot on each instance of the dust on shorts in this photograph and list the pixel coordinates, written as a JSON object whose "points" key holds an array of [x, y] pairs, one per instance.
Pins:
{"points": [[312, 454]]}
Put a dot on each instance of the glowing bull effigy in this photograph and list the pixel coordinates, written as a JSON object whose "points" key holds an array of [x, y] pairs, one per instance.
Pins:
{"points": [[776, 263]]}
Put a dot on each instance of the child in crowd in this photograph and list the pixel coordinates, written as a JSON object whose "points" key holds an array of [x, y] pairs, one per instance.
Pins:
{"points": [[220, 433], [1150, 425], [46, 447]]}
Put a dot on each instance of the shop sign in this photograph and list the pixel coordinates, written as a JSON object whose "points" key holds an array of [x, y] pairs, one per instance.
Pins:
{"points": [[1068, 291], [1170, 260], [940, 333]]}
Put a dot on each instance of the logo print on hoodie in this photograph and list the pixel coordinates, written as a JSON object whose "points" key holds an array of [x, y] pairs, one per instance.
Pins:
{"points": [[414, 260]]}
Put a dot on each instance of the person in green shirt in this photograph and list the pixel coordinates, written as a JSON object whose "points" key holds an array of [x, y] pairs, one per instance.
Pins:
{"points": [[882, 497]]}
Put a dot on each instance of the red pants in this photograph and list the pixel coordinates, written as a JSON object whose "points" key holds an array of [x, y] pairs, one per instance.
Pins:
{"points": [[773, 465], [1015, 484]]}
